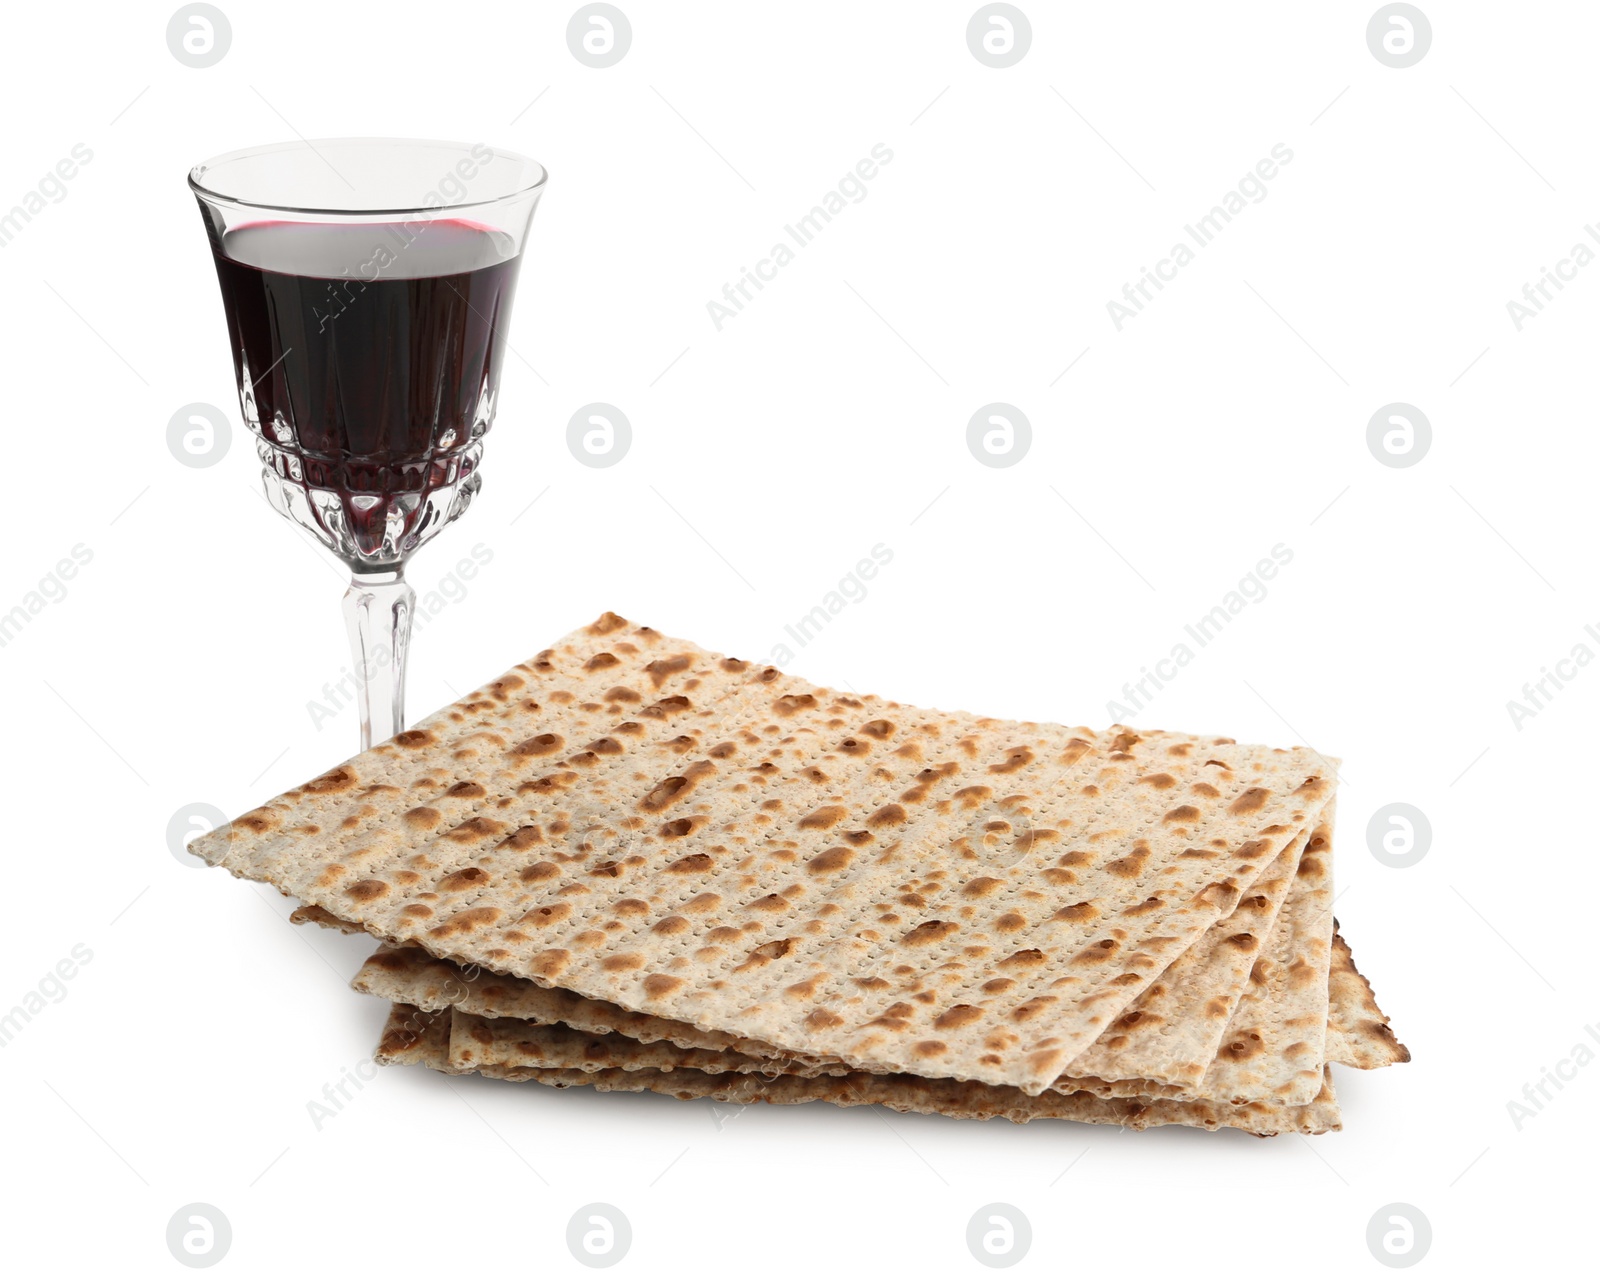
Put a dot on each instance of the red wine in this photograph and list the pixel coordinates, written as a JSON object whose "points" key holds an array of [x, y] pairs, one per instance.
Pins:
{"points": [[368, 359]]}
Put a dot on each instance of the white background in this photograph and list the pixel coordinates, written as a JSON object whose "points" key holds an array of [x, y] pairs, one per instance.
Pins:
{"points": [[767, 459]]}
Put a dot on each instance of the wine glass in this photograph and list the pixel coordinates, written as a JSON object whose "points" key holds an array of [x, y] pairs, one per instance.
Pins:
{"points": [[368, 285]]}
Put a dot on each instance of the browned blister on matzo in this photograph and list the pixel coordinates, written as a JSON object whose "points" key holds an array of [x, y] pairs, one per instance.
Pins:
{"points": [[910, 890]]}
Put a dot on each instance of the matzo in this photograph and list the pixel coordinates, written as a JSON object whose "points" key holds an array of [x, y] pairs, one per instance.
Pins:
{"points": [[932, 892], [411, 975], [1171, 1033], [1274, 1046], [1358, 1032], [476, 1041], [412, 1038], [1188, 1008]]}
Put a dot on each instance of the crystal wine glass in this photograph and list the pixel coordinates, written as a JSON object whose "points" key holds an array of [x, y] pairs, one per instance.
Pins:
{"points": [[368, 286]]}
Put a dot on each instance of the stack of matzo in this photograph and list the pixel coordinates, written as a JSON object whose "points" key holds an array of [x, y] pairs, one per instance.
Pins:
{"points": [[635, 865]]}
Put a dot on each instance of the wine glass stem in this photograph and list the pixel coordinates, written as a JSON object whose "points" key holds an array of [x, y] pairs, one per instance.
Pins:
{"points": [[377, 613]]}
